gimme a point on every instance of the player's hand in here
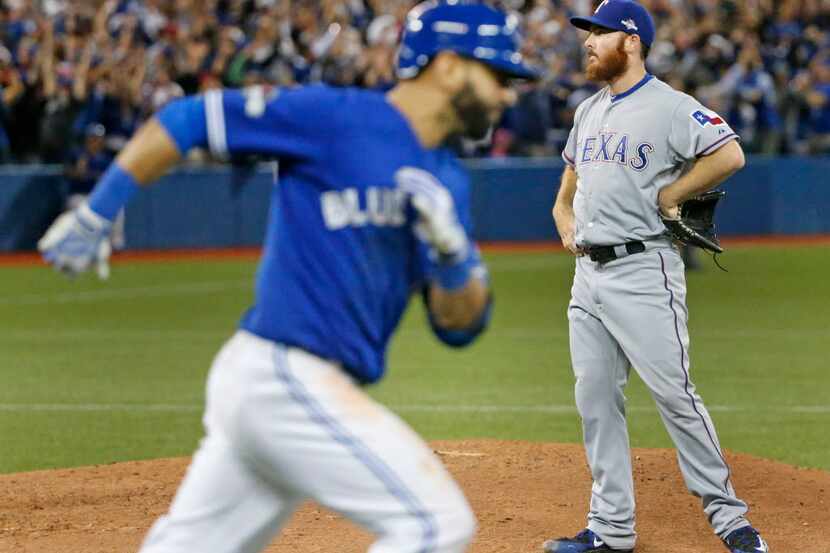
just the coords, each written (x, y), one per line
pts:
(669, 206)
(438, 225)
(77, 240)
(566, 227)
(569, 241)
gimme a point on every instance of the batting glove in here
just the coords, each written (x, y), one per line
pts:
(438, 223)
(77, 240)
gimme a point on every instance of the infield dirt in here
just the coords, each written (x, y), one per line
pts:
(523, 493)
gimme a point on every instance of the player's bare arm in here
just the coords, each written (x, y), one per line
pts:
(707, 172)
(78, 240)
(149, 154)
(459, 309)
(563, 211)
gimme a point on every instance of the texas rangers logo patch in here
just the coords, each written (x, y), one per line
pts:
(703, 119)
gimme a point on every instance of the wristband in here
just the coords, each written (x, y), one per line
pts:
(461, 338)
(454, 276)
(112, 192)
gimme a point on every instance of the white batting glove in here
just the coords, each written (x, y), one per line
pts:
(438, 225)
(77, 240)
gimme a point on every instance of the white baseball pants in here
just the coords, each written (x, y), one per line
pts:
(282, 426)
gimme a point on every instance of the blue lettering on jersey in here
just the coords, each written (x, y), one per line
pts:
(641, 161)
(602, 153)
(620, 153)
(614, 148)
(588, 148)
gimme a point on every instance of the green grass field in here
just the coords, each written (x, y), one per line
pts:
(100, 372)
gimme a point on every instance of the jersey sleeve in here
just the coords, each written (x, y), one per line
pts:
(283, 123)
(569, 153)
(697, 131)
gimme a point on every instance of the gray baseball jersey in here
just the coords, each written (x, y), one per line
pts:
(631, 311)
(625, 148)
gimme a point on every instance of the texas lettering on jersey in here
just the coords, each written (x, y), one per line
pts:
(614, 147)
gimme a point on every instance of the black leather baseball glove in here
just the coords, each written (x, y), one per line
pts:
(695, 225)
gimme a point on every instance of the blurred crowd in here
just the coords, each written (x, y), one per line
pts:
(78, 76)
(762, 64)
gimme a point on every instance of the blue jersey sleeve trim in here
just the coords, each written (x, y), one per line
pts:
(455, 276)
(184, 120)
(720, 142)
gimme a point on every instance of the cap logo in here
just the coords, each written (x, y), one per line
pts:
(629, 24)
(600, 6)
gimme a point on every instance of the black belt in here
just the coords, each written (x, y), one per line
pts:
(604, 254)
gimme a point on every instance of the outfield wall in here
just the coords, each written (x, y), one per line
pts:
(227, 207)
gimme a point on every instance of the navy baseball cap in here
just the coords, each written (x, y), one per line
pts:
(627, 16)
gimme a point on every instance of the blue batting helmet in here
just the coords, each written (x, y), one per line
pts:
(471, 29)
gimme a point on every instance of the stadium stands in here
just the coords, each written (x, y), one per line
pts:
(66, 64)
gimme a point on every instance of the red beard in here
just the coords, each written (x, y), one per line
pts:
(611, 67)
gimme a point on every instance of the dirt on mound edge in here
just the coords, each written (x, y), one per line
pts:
(523, 493)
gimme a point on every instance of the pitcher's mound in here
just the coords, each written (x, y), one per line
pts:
(523, 493)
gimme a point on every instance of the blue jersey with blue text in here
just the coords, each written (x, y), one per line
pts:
(341, 258)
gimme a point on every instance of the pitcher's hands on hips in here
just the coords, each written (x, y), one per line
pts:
(566, 227)
(668, 204)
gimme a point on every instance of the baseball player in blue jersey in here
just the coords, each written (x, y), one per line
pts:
(638, 147)
(369, 209)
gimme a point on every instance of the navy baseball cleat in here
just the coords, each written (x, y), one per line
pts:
(745, 540)
(584, 542)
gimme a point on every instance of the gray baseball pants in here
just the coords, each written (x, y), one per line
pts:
(632, 312)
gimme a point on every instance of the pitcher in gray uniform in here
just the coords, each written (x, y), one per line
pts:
(637, 147)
